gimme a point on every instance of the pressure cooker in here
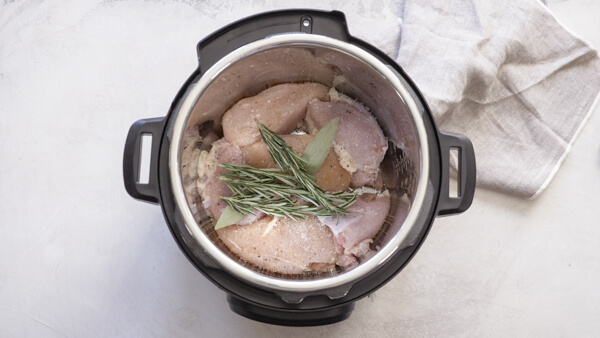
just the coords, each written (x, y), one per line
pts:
(267, 49)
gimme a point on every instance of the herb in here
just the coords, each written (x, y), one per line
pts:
(290, 190)
(318, 149)
(228, 216)
(253, 188)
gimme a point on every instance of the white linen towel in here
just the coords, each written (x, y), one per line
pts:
(507, 75)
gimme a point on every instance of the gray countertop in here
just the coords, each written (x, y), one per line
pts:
(79, 257)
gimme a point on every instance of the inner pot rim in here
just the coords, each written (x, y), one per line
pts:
(296, 40)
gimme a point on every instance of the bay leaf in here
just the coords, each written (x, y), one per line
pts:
(319, 147)
(228, 217)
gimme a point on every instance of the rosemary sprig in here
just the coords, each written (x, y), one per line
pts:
(287, 160)
(287, 191)
(276, 193)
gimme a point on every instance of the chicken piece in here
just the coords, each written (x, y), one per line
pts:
(354, 232)
(359, 141)
(210, 185)
(360, 80)
(330, 177)
(279, 108)
(194, 141)
(189, 170)
(256, 72)
(282, 244)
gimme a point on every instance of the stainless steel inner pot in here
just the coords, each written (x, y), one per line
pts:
(299, 57)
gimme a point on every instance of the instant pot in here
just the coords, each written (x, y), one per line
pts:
(255, 53)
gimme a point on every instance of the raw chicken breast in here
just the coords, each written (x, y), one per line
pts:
(354, 232)
(194, 141)
(282, 244)
(189, 167)
(330, 177)
(359, 80)
(257, 72)
(280, 108)
(359, 139)
(210, 185)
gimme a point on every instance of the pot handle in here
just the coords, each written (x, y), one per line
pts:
(132, 159)
(466, 174)
(220, 43)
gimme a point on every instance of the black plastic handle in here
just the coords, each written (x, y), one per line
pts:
(466, 173)
(220, 43)
(131, 159)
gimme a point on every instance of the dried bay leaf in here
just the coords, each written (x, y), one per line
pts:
(318, 149)
(228, 217)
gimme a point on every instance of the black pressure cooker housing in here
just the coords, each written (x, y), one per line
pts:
(259, 302)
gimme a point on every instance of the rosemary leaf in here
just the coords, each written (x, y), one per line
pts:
(318, 149)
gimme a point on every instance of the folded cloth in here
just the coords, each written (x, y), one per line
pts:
(507, 75)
